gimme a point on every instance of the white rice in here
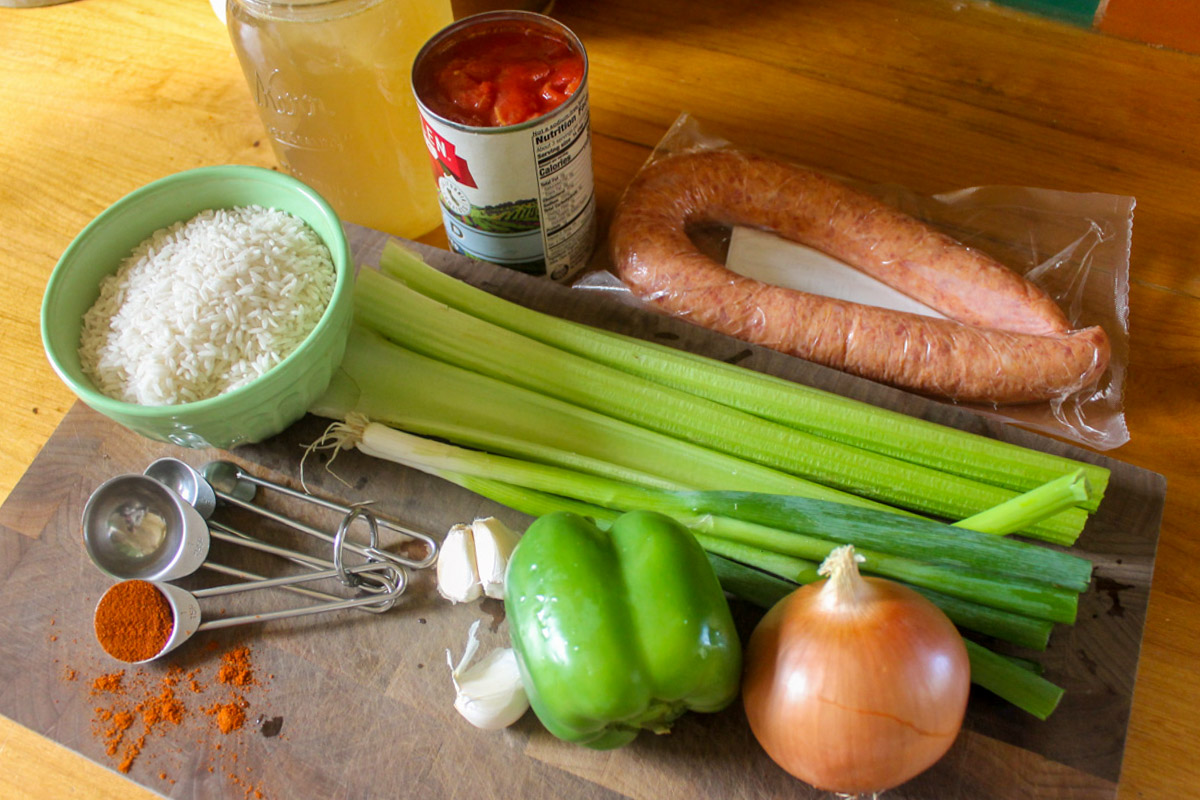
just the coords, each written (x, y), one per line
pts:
(206, 306)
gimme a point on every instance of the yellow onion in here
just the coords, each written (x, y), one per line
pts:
(853, 684)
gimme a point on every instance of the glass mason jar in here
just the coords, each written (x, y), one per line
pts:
(331, 82)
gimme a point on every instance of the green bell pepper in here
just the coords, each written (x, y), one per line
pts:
(620, 630)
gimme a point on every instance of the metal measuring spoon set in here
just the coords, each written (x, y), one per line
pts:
(158, 527)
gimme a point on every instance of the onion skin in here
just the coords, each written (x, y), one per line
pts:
(855, 693)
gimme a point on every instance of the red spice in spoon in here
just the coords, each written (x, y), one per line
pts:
(133, 621)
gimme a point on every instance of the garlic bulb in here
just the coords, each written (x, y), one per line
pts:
(489, 694)
(473, 559)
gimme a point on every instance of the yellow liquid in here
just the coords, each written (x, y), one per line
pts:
(332, 85)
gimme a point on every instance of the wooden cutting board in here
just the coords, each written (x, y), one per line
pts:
(355, 705)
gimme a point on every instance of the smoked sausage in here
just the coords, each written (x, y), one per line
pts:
(1005, 340)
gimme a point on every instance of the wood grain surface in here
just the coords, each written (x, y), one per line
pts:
(372, 671)
(101, 96)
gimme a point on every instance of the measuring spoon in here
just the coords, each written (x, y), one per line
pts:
(136, 527)
(144, 527)
(194, 488)
(186, 482)
(187, 619)
(235, 486)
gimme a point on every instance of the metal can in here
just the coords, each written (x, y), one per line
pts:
(520, 195)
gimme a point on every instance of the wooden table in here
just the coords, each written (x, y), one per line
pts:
(101, 96)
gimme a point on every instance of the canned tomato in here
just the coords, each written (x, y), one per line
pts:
(504, 111)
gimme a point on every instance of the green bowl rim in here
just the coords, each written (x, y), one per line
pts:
(339, 250)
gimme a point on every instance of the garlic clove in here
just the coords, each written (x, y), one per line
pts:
(457, 575)
(489, 694)
(494, 543)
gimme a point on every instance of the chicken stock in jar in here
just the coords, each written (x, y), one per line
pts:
(330, 79)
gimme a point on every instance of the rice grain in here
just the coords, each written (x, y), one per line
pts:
(206, 306)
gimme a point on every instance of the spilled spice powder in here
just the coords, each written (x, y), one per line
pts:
(249, 789)
(236, 669)
(163, 707)
(230, 716)
(114, 734)
(141, 704)
(110, 683)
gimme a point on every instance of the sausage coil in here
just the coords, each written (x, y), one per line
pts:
(1006, 341)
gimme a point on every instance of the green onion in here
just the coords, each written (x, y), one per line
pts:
(1008, 594)
(1015, 628)
(748, 583)
(435, 330)
(999, 591)
(1010, 681)
(798, 571)
(804, 408)
(1007, 626)
(797, 526)
(913, 537)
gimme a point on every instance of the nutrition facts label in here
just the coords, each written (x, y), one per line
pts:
(562, 153)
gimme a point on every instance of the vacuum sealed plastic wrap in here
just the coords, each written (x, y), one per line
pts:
(1012, 301)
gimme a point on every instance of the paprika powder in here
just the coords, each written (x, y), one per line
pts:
(236, 667)
(139, 703)
(133, 621)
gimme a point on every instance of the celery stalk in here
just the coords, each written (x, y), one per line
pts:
(1021, 511)
(437, 331)
(390, 384)
(805, 408)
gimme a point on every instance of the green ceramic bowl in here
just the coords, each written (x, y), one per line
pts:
(248, 414)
